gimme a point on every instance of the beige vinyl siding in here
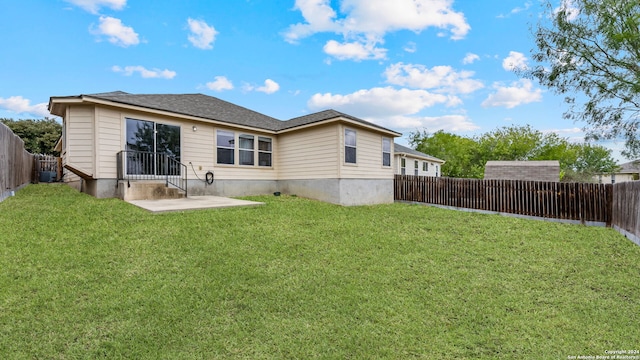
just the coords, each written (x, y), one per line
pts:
(244, 172)
(80, 138)
(110, 142)
(197, 148)
(368, 156)
(410, 166)
(312, 153)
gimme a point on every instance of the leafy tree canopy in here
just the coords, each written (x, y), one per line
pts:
(466, 156)
(39, 135)
(589, 51)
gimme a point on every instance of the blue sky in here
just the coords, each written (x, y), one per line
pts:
(409, 65)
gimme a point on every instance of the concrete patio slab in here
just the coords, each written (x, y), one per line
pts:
(191, 203)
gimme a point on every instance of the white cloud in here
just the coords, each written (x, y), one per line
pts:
(514, 61)
(441, 78)
(20, 105)
(145, 73)
(570, 8)
(319, 16)
(354, 51)
(470, 58)
(519, 93)
(269, 87)
(411, 47)
(116, 32)
(202, 35)
(220, 83)
(516, 10)
(449, 123)
(93, 6)
(367, 21)
(378, 102)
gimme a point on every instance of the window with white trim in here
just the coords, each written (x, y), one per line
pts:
(225, 142)
(386, 151)
(349, 146)
(403, 166)
(425, 166)
(264, 151)
(415, 167)
(245, 149)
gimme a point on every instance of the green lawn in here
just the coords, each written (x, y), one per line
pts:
(87, 278)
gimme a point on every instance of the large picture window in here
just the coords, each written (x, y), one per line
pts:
(386, 151)
(226, 147)
(349, 146)
(146, 142)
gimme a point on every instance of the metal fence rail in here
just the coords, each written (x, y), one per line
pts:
(144, 165)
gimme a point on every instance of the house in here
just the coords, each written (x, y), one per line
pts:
(407, 161)
(112, 143)
(544, 170)
(627, 172)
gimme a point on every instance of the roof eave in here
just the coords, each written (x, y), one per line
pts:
(406, 154)
(343, 120)
(63, 101)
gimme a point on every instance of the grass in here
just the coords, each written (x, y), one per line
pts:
(98, 278)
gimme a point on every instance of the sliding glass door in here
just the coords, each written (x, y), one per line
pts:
(150, 145)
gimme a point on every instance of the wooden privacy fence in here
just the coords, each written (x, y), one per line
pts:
(625, 215)
(46, 168)
(16, 163)
(567, 201)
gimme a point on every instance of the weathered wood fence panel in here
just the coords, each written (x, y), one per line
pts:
(567, 201)
(625, 215)
(16, 163)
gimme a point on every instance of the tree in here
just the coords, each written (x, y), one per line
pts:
(459, 152)
(592, 48)
(466, 157)
(39, 136)
(589, 160)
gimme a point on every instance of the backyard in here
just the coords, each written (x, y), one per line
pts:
(99, 278)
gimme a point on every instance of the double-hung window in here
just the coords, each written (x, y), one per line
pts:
(386, 151)
(246, 149)
(403, 166)
(425, 166)
(264, 151)
(226, 146)
(415, 167)
(349, 146)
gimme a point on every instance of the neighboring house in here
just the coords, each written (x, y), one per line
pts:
(113, 140)
(407, 161)
(627, 172)
(545, 170)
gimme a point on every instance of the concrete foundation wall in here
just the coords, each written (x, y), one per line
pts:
(347, 192)
(366, 191)
(233, 187)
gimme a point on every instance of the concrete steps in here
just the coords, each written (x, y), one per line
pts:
(147, 190)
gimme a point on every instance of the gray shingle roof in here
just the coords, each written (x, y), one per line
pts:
(212, 108)
(197, 105)
(397, 148)
(324, 115)
(630, 167)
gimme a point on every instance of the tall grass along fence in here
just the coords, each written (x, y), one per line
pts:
(616, 205)
(16, 163)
